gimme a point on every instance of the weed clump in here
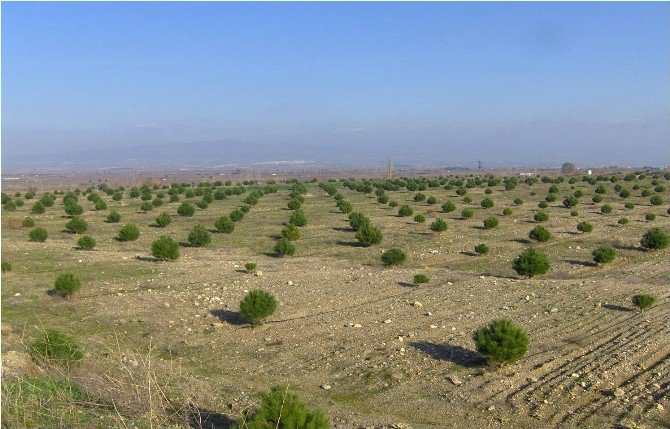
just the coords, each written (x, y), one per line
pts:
(57, 347)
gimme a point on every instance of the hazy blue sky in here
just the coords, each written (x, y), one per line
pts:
(534, 82)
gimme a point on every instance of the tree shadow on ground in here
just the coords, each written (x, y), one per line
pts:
(350, 243)
(624, 247)
(201, 418)
(232, 317)
(468, 253)
(341, 229)
(521, 240)
(407, 284)
(582, 263)
(617, 307)
(420, 233)
(455, 354)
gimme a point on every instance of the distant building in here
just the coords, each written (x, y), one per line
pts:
(589, 172)
(526, 174)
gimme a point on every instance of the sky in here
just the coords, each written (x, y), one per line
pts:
(452, 83)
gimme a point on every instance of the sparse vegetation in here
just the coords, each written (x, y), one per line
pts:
(55, 347)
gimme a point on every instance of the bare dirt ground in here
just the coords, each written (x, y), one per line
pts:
(358, 339)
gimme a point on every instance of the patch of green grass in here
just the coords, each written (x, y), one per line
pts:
(51, 402)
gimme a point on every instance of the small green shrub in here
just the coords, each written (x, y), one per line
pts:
(100, 205)
(199, 236)
(438, 225)
(420, 279)
(574, 213)
(518, 201)
(6, 267)
(603, 254)
(290, 232)
(420, 218)
(250, 267)
(393, 204)
(606, 209)
(28, 222)
(186, 209)
(584, 227)
(38, 208)
(224, 224)
(54, 346)
(113, 217)
(369, 235)
(448, 207)
(570, 202)
(294, 204)
(501, 342)
(280, 409)
(405, 211)
(357, 220)
(165, 248)
(164, 219)
(67, 284)
(540, 217)
(393, 257)
(487, 203)
(257, 305)
(491, 222)
(86, 242)
(531, 263)
(643, 301)
(656, 200)
(649, 217)
(623, 221)
(38, 235)
(481, 249)
(629, 206)
(129, 232)
(507, 212)
(655, 239)
(543, 205)
(146, 206)
(467, 213)
(284, 247)
(298, 218)
(540, 234)
(76, 225)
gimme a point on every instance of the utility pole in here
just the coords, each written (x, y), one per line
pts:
(479, 166)
(389, 168)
